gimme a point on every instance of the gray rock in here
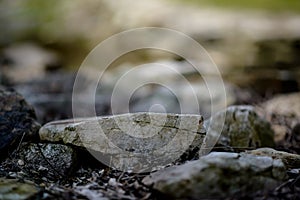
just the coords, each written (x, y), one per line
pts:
(49, 160)
(17, 120)
(131, 141)
(243, 128)
(290, 160)
(13, 189)
(219, 175)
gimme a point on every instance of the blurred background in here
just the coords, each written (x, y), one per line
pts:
(255, 44)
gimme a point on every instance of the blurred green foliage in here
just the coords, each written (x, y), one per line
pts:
(269, 5)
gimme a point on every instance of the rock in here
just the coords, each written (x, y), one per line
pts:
(13, 189)
(50, 160)
(134, 141)
(242, 129)
(290, 160)
(285, 104)
(219, 175)
(27, 61)
(296, 136)
(283, 111)
(280, 132)
(17, 120)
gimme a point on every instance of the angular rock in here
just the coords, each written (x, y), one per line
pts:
(49, 160)
(130, 141)
(15, 190)
(219, 175)
(17, 120)
(290, 160)
(243, 128)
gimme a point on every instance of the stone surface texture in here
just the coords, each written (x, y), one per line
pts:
(141, 138)
(218, 175)
(287, 104)
(243, 128)
(290, 160)
(17, 119)
(283, 111)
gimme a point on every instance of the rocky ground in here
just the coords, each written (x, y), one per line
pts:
(53, 162)
(248, 149)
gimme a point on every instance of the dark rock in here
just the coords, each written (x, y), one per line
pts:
(296, 136)
(51, 161)
(17, 120)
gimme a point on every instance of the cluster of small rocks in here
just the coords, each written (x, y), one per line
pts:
(56, 161)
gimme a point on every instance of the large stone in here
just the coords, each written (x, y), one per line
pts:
(218, 175)
(290, 160)
(13, 189)
(17, 120)
(133, 141)
(242, 129)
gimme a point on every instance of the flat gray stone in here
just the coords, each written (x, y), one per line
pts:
(290, 160)
(219, 175)
(242, 129)
(133, 141)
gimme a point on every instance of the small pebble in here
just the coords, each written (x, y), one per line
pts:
(21, 162)
(42, 169)
(21, 173)
(112, 182)
(293, 173)
(42, 185)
